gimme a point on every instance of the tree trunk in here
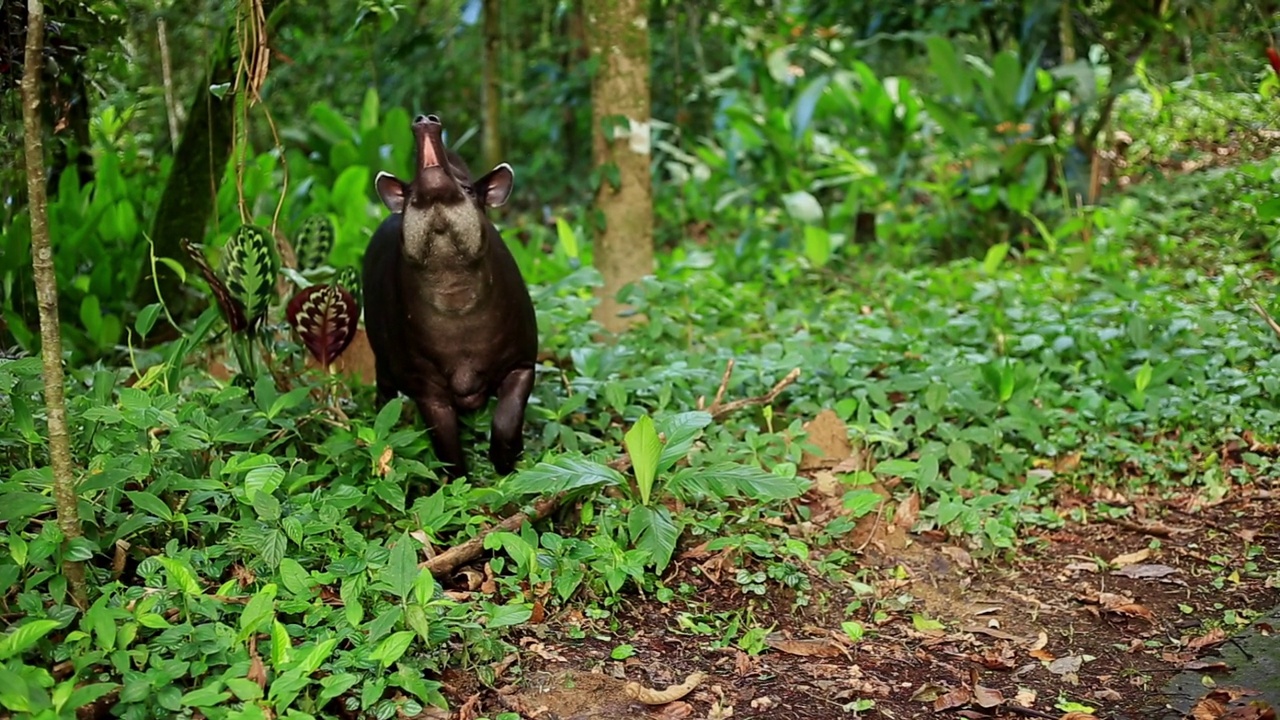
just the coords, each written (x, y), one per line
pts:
(64, 483)
(1066, 33)
(491, 90)
(191, 191)
(618, 34)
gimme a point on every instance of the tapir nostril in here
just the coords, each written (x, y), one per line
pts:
(434, 119)
(420, 120)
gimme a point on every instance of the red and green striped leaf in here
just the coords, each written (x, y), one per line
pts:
(325, 318)
(232, 310)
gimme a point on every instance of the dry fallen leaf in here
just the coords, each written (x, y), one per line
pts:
(384, 462)
(1256, 710)
(928, 693)
(1026, 697)
(651, 696)
(908, 511)
(820, 647)
(1064, 665)
(467, 711)
(1145, 571)
(1042, 640)
(986, 697)
(719, 711)
(676, 710)
(1213, 637)
(952, 700)
(1132, 558)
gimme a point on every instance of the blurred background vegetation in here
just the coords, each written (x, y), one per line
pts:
(850, 132)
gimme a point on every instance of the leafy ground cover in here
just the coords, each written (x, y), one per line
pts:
(809, 486)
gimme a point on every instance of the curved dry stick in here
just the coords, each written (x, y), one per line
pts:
(449, 560)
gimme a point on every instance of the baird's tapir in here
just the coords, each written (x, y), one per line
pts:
(447, 311)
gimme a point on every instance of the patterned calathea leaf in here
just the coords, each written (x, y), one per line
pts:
(325, 318)
(349, 278)
(252, 264)
(314, 241)
(232, 309)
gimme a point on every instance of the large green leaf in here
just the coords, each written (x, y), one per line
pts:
(252, 268)
(314, 241)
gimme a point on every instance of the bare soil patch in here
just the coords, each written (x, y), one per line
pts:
(1102, 614)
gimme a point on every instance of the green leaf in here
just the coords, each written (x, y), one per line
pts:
(335, 685)
(180, 575)
(680, 430)
(281, 645)
(91, 316)
(510, 615)
(207, 696)
(244, 689)
(899, 467)
(294, 577)
(732, 479)
(150, 504)
(391, 649)
(562, 474)
(567, 238)
(263, 479)
(260, 608)
(946, 66)
(402, 571)
(24, 637)
(387, 418)
(654, 531)
(644, 447)
(14, 692)
(369, 111)
(316, 655)
(147, 318)
(252, 266)
(995, 255)
(88, 694)
(314, 241)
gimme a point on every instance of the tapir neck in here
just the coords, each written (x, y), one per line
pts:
(449, 286)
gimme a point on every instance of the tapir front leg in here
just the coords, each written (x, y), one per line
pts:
(442, 424)
(506, 439)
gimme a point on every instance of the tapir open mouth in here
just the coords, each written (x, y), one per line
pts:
(429, 133)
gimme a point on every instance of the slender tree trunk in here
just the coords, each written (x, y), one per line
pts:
(64, 483)
(492, 88)
(1066, 33)
(618, 33)
(166, 74)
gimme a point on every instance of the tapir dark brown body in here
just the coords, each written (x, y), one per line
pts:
(447, 312)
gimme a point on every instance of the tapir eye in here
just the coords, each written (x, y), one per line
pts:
(469, 190)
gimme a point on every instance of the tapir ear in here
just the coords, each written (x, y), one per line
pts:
(495, 187)
(391, 190)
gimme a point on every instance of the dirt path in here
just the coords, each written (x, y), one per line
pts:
(1102, 614)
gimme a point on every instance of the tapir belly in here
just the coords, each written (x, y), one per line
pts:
(465, 361)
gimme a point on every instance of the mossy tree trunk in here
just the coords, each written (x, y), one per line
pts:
(46, 279)
(618, 35)
(491, 92)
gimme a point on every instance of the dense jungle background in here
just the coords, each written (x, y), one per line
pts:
(896, 359)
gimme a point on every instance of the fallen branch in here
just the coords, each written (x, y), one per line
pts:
(451, 559)
(719, 411)
(1271, 322)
